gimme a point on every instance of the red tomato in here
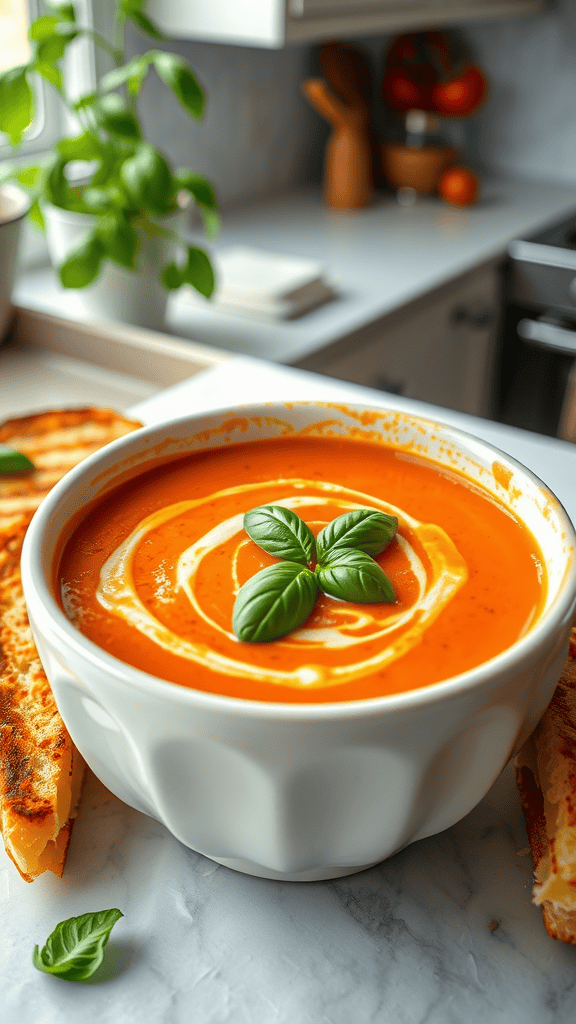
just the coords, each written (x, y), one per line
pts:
(401, 92)
(459, 186)
(462, 95)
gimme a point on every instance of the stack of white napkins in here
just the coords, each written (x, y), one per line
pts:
(267, 285)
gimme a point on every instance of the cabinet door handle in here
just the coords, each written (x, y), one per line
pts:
(478, 319)
(384, 383)
(545, 335)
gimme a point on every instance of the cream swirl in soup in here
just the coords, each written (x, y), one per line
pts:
(151, 574)
(346, 628)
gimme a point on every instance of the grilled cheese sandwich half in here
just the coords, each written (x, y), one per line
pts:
(40, 769)
(546, 777)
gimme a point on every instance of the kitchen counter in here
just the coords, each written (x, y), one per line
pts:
(379, 260)
(444, 932)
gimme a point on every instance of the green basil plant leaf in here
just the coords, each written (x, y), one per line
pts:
(133, 9)
(83, 261)
(280, 532)
(64, 8)
(148, 179)
(134, 73)
(198, 271)
(51, 72)
(352, 575)
(203, 194)
(27, 176)
(36, 216)
(16, 103)
(12, 461)
(80, 147)
(146, 26)
(176, 74)
(75, 949)
(112, 116)
(171, 277)
(118, 238)
(364, 529)
(274, 601)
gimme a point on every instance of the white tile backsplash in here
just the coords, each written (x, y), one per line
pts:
(260, 137)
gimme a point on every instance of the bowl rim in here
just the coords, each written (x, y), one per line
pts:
(62, 629)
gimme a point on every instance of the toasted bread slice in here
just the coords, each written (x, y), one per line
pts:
(546, 777)
(40, 769)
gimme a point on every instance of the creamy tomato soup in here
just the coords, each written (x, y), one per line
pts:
(152, 572)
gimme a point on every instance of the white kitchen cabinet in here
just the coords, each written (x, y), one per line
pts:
(276, 23)
(440, 350)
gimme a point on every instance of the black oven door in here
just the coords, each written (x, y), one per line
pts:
(537, 370)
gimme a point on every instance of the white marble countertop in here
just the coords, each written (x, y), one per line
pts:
(442, 933)
(379, 260)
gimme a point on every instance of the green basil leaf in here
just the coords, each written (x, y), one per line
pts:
(43, 28)
(80, 147)
(112, 116)
(178, 76)
(36, 216)
(148, 179)
(171, 277)
(75, 949)
(364, 529)
(16, 103)
(274, 601)
(202, 192)
(51, 72)
(199, 272)
(12, 461)
(118, 238)
(83, 261)
(54, 183)
(280, 532)
(145, 25)
(51, 35)
(64, 8)
(352, 575)
(134, 73)
(27, 176)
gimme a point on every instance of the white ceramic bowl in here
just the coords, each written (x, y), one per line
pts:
(314, 790)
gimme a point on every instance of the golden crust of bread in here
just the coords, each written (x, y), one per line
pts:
(40, 769)
(546, 777)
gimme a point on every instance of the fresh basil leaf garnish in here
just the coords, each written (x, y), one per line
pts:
(275, 601)
(75, 949)
(364, 529)
(280, 532)
(352, 575)
(12, 461)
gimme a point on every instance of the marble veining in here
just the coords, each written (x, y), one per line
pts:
(443, 932)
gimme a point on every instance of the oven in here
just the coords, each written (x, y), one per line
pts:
(536, 382)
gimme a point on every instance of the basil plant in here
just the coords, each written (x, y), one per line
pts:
(130, 185)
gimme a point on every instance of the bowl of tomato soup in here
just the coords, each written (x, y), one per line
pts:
(301, 635)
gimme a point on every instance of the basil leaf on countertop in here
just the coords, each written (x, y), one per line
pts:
(364, 529)
(352, 575)
(75, 949)
(280, 532)
(12, 461)
(275, 601)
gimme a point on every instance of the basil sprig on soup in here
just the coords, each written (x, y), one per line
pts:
(279, 598)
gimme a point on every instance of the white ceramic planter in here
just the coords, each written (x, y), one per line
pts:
(314, 790)
(14, 205)
(135, 297)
